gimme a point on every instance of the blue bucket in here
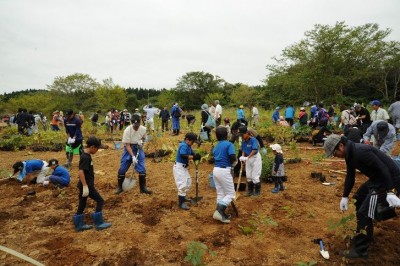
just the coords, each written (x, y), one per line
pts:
(211, 180)
(117, 145)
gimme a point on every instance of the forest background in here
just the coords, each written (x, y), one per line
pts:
(330, 64)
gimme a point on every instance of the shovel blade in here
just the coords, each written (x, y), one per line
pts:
(196, 199)
(128, 184)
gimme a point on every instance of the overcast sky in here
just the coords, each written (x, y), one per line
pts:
(151, 43)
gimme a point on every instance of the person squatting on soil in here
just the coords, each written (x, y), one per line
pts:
(133, 154)
(180, 170)
(86, 188)
(374, 195)
(225, 160)
(31, 169)
(73, 145)
(60, 176)
(278, 168)
(176, 114)
(384, 136)
(252, 158)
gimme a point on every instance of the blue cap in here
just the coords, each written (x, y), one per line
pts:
(376, 102)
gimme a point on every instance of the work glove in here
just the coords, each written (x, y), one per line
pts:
(243, 158)
(393, 200)
(85, 191)
(134, 160)
(196, 157)
(344, 202)
(264, 151)
(71, 140)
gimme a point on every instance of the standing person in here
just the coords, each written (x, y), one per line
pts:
(86, 188)
(225, 159)
(322, 116)
(37, 120)
(363, 117)
(55, 121)
(127, 117)
(276, 116)
(204, 117)
(165, 116)
(252, 158)
(255, 115)
(211, 109)
(60, 176)
(176, 114)
(303, 117)
(180, 170)
(150, 111)
(95, 118)
(378, 113)
(240, 115)
(394, 110)
(31, 123)
(218, 113)
(81, 117)
(289, 114)
(133, 154)
(121, 119)
(22, 120)
(278, 168)
(74, 134)
(383, 176)
(384, 136)
(31, 169)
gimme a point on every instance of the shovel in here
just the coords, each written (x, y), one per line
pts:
(239, 180)
(324, 253)
(130, 182)
(197, 198)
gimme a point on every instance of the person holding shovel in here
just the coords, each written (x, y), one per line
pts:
(180, 170)
(225, 158)
(375, 196)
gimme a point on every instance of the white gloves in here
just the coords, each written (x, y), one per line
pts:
(264, 151)
(71, 140)
(393, 200)
(85, 191)
(344, 202)
(243, 158)
(134, 160)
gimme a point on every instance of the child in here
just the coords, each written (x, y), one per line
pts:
(34, 171)
(86, 188)
(182, 177)
(278, 169)
(227, 125)
(224, 155)
(60, 175)
(252, 158)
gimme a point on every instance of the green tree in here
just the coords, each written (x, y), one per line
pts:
(108, 95)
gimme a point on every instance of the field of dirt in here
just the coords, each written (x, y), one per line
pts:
(272, 229)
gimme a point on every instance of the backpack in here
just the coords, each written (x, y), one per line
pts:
(177, 113)
(352, 120)
(95, 117)
(210, 123)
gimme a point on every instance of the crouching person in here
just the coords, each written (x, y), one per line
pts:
(87, 189)
(182, 177)
(60, 176)
(225, 158)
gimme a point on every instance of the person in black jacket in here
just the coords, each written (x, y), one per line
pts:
(165, 116)
(375, 196)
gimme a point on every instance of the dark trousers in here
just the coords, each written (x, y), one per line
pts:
(218, 121)
(94, 195)
(164, 124)
(290, 121)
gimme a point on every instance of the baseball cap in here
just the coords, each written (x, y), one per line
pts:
(192, 136)
(136, 109)
(376, 102)
(69, 112)
(53, 162)
(18, 167)
(242, 130)
(136, 119)
(383, 129)
(277, 108)
(330, 144)
(276, 147)
(241, 106)
(302, 109)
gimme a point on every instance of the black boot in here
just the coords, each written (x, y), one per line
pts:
(280, 182)
(177, 132)
(250, 188)
(142, 184)
(121, 179)
(181, 203)
(257, 189)
(220, 215)
(277, 187)
(173, 132)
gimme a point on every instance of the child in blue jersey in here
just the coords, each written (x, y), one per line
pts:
(278, 169)
(224, 155)
(182, 177)
(31, 169)
(252, 158)
(60, 176)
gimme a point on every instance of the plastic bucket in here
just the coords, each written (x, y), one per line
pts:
(211, 180)
(117, 145)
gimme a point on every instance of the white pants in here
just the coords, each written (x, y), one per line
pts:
(150, 122)
(224, 185)
(42, 174)
(182, 178)
(253, 168)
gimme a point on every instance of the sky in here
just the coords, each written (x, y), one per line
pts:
(152, 43)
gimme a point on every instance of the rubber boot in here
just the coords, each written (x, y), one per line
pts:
(181, 203)
(257, 189)
(276, 188)
(280, 182)
(142, 184)
(219, 214)
(70, 156)
(98, 221)
(177, 132)
(79, 225)
(250, 188)
(121, 179)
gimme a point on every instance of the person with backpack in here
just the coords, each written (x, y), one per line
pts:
(95, 118)
(322, 116)
(347, 118)
(204, 117)
(176, 114)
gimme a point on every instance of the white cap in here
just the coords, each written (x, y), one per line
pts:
(276, 147)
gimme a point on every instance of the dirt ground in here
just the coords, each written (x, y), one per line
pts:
(152, 230)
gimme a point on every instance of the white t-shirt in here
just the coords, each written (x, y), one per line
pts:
(218, 111)
(132, 136)
(255, 111)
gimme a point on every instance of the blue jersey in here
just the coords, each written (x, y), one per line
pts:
(240, 114)
(33, 165)
(183, 149)
(222, 152)
(62, 172)
(249, 145)
(73, 127)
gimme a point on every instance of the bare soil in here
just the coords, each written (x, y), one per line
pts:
(152, 230)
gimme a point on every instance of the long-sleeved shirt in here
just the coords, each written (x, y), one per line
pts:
(386, 144)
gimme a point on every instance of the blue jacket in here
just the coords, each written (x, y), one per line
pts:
(289, 112)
